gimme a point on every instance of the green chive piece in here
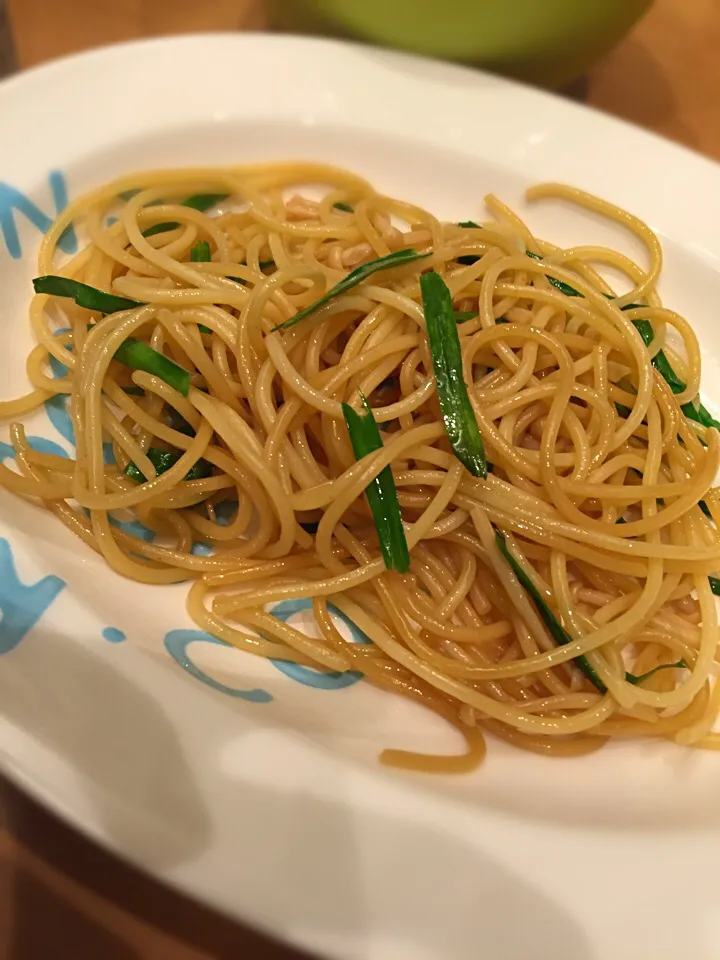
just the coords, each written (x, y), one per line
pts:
(458, 416)
(469, 225)
(266, 264)
(358, 275)
(381, 493)
(700, 414)
(204, 201)
(462, 316)
(132, 353)
(558, 284)
(159, 228)
(199, 201)
(162, 460)
(310, 526)
(200, 253)
(659, 361)
(714, 585)
(557, 631)
(468, 259)
(84, 296)
(139, 356)
(705, 509)
(345, 207)
(622, 410)
(564, 287)
(632, 678)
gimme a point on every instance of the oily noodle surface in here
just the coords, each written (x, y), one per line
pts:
(458, 633)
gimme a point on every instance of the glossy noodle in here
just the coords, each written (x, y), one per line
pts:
(541, 598)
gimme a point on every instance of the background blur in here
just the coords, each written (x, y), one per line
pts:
(665, 74)
(6, 56)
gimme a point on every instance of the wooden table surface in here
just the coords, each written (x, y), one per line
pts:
(59, 895)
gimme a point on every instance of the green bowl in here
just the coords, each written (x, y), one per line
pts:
(548, 42)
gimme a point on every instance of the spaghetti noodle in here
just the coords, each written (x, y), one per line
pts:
(216, 326)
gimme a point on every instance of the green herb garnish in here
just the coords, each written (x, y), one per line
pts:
(457, 413)
(558, 632)
(345, 207)
(162, 460)
(199, 201)
(462, 316)
(358, 275)
(381, 493)
(84, 296)
(132, 353)
(632, 678)
(200, 253)
(139, 356)
(659, 361)
(469, 258)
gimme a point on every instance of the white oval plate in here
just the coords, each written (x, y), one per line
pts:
(260, 792)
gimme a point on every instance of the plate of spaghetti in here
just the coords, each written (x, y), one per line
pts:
(358, 504)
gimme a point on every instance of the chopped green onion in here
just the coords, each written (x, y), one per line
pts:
(714, 585)
(557, 631)
(199, 201)
(701, 414)
(622, 410)
(358, 275)
(462, 316)
(162, 460)
(381, 493)
(179, 423)
(468, 259)
(139, 356)
(345, 207)
(659, 361)
(132, 353)
(84, 296)
(457, 413)
(705, 509)
(558, 284)
(632, 678)
(200, 253)
(266, 264)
